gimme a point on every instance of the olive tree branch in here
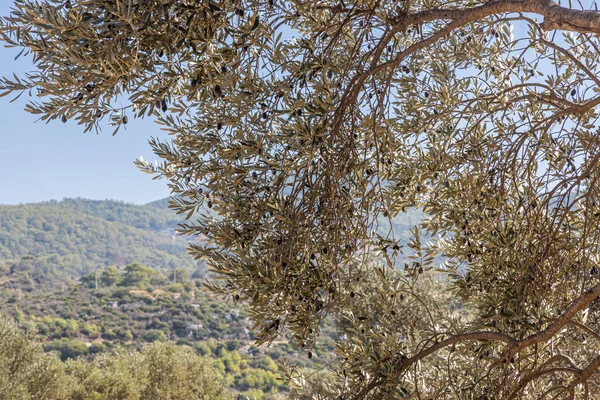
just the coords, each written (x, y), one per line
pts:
(514, 346)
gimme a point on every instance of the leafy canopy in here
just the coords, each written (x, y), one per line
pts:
(299, 129)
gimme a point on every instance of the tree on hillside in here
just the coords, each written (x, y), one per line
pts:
(111, 276)
(137, 274)
(300, 129)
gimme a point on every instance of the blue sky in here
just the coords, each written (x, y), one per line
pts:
(40, 161)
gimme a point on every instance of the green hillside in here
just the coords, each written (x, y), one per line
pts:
(154, 216)
(49, 243)
(87, 277)
(52, 241)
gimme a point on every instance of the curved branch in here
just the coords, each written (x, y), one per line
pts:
(404, 363)
(538, 374)
(514, 346)
(585, 328)
(582, 377)
(490, 336)
(579, 304)
(555, 16)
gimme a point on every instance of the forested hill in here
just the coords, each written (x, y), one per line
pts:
(152, 216)
(56, 240)
(51, 241)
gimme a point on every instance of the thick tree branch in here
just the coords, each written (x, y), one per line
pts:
(539, 374)
(585, 374)
(404, 363)
(555, 16)
(514, 345)
(579, 304)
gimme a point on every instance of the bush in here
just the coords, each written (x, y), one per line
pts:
(178, 373)
(154, 335)
(26, 372)
(67, 348)
(233, 345)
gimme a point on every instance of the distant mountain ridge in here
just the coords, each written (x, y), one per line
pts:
(52, 241)
(65, 239)
(153, 216)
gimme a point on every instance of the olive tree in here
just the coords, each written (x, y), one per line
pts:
(26, 372)
(301, 128)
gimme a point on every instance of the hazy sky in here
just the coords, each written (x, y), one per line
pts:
(40, 161)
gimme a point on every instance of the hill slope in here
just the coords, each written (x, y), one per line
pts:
(48, 243)
(54, 240)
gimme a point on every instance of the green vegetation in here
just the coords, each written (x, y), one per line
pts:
(124, 307)
(141, 305)
(137, 305)
(158, 372)
(49, 243)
